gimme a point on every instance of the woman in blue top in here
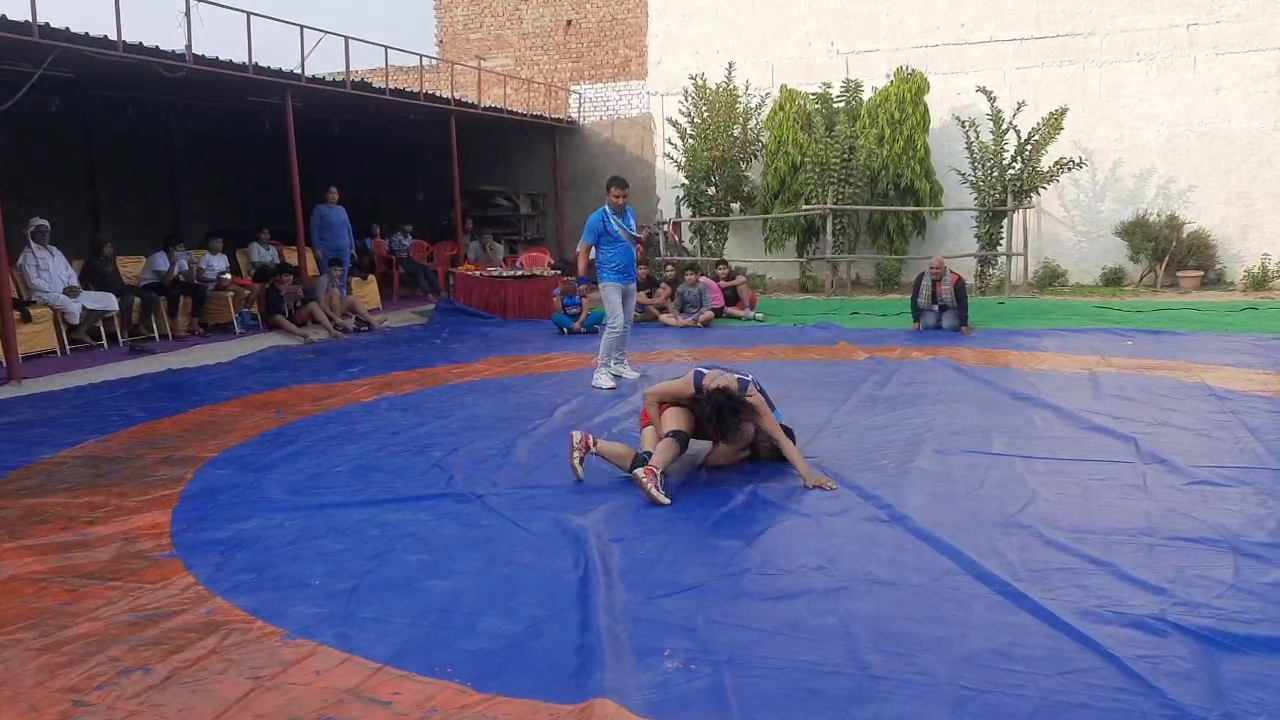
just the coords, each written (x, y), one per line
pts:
(573, 309)
(331, 234)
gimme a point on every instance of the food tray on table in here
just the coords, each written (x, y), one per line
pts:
(508, 273)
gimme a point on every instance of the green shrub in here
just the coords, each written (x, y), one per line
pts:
(1259, 277)
(1149, 236)
(1113, 276)
(889, 275)
(1049, 274)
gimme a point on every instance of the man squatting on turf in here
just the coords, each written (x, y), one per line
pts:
(729, 408)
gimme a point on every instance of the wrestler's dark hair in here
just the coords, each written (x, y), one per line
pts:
(723, 412)
(764, 448)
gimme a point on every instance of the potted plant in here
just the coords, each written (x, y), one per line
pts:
(1195, 257)
(1160, 241)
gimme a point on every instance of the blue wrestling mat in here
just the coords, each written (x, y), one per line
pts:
(1074, 525)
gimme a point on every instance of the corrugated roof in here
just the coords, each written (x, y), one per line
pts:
(100, 44)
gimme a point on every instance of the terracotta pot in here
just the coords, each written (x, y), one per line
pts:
(1190, 279)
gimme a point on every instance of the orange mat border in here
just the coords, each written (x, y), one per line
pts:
(99, 619)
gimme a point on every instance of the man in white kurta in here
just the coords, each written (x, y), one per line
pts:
(54, 283)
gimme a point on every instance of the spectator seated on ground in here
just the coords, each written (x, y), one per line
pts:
(651, 296)
(101, 273)
(338, 306)
(214, 272)
(692, 304)
(289, 308)
(263, 257)
(169, 274)
(713, 289)
(363, 263)
(53, 283)
(422, 276)
(484, 251)
(739, 301)
(573, 314)
(940, 299)
(667, 287)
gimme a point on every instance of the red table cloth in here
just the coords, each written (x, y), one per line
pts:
(509, 298)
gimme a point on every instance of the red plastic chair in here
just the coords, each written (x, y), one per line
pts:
(421, 251)
(384, 264)
(535, 260)
(445, 252)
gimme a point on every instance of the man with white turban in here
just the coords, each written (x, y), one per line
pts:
(54, 283)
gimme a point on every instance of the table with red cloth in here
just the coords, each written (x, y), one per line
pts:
(516, 296)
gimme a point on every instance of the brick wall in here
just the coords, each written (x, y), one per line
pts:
(597, 48)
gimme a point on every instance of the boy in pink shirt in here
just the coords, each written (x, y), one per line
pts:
(717, 295)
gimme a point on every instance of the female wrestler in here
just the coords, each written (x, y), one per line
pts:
(727, 407)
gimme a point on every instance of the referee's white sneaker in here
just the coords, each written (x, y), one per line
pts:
(602, 380)
(624, 371)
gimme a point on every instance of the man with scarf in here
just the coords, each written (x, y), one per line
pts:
(53, 283)
(611, 236)
(940, 299)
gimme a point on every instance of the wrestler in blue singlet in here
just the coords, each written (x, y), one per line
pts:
(746, 381)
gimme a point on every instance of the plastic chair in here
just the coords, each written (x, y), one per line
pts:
(384, 263)
(41, 334)
(19, 285)
(130, 267)
(535, 260)
(445, 253)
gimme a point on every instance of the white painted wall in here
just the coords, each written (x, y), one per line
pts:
(1175, 103)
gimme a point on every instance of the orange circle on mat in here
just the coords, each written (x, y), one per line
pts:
(102, 620)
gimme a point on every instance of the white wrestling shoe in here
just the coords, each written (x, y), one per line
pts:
(580, 446)
(649, 480)
(623, 370)
(602, 381)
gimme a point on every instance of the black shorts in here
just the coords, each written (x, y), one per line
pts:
(718, 312)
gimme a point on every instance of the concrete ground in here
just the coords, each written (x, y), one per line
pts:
(188, 357)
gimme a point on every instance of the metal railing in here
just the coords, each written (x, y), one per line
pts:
(455, 84)
(1009, 254)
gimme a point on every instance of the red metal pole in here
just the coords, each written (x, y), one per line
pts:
(559, 175)
(8, 332)
(300, 227)
(457, 180)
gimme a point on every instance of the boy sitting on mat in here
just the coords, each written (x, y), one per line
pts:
(739, 301)
(337, 306)
(289, 307)
(573, 313)
(691, 306)
(727, 407)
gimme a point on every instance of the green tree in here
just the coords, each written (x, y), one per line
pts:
(810, 158)
(1005, 163)
(893, 149)
(718, 137)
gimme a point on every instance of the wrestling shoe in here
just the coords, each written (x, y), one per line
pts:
(623, 370)
(580, 446)
(649, 480)
(602, 381)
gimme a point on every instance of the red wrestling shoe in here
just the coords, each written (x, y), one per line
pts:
(649, 480)
(580, 446)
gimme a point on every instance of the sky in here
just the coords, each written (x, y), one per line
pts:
(408, 24)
